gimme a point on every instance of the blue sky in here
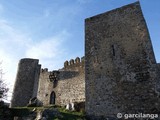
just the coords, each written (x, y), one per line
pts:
(53, 30)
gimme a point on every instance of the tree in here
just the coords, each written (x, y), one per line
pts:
(3, 86)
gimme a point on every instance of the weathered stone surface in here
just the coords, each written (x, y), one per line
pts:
(26, 84)
(120, 67)
(68, 87)
(119, 73)
(34, 102)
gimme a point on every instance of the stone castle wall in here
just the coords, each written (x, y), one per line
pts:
(120, 72)
(26, 84)
(68, 87)
(157, 67)
(45, 87)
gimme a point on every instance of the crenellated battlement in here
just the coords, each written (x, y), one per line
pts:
(74, 62)
(44, 70)
(125, 76)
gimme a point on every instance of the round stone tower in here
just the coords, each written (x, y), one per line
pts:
(26, 83)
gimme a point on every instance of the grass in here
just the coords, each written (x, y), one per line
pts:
(69, 115)
(63, 114)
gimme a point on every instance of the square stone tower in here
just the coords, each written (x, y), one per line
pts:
(120, 66)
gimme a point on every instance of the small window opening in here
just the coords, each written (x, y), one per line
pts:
(113, 50)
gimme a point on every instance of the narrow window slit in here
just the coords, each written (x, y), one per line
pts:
(113, 50)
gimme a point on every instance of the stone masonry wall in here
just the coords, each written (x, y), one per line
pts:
(69, 87)
(26, 84)
(157, 67)
(45, 87)
(120, 70)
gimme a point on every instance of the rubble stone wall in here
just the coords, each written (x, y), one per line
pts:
(119, 63)
(26, 84)
(69, 86)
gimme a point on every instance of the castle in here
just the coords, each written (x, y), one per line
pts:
(118, 74)
(50, 87)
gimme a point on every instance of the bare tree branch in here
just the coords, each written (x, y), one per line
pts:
(3, 86)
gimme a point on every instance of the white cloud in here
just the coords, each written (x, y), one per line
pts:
(16, 45)
(44, 49)
(49, 50)
(11, 42)
(9, 69)
(11, 38)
